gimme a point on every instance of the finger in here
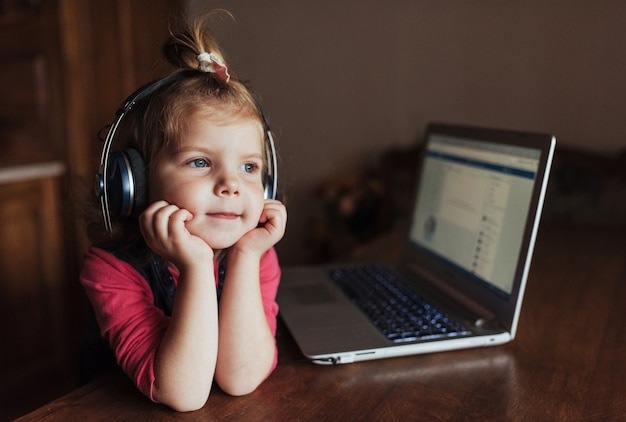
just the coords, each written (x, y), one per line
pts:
(274, 219)
(148, 213)
(274, 210)
(177, 220)
(146, 218)
(161, 220)
(273, 203)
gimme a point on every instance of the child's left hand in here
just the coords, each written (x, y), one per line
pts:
(270, 230)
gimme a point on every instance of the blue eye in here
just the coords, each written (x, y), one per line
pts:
(250, 167)
(199, 162)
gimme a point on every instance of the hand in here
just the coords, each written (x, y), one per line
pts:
(270, 230)
(163, 228)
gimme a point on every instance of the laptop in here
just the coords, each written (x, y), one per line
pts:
(461, 280)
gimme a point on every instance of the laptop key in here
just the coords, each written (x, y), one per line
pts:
(398, 312)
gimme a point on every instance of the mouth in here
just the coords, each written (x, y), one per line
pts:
(224, 215)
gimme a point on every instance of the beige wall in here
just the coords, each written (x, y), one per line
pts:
(343, 80)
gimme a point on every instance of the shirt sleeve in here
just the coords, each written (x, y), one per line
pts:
(269, 276)
(124, 307)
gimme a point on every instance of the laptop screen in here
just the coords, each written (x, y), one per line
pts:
(472, 205)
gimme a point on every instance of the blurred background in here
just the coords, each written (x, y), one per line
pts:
(348, 88)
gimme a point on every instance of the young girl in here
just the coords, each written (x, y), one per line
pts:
(201, 137)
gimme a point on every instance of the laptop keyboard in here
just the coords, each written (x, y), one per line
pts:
(398, 312)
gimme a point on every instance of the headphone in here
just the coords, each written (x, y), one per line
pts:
(121, 182)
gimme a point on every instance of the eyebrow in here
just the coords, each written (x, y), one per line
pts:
(204, 150)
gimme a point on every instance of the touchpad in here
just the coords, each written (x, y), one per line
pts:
(313, 294)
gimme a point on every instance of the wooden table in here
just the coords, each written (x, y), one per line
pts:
(568, 362)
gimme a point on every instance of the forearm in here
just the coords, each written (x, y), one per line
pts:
(246, 344)
(185, 361)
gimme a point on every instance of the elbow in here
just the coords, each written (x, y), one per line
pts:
(183, 400)
(238, 387)
(187, 405)
(238, 390)
(243, 380)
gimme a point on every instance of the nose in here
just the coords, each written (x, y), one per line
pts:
(227, 184)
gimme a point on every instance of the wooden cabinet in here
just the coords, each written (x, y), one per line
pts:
(33, 286)
(65, 67)
(35, 356)
(31, 86)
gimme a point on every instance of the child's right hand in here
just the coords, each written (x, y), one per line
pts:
(163, 228)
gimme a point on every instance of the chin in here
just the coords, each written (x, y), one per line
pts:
(222, 239)
(219, 244)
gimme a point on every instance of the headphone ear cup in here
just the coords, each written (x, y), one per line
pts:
(126, 183)
(270, 177)
(140, 177)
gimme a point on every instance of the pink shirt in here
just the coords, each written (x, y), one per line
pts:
(130, 322)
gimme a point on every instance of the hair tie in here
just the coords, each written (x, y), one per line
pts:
(210, 62)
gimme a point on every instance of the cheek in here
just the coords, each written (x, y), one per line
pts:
(256, 208)
(158, 190)
(154, 190)
(156, 186)
(174, 193)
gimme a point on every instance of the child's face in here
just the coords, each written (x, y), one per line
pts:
(216, 174)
